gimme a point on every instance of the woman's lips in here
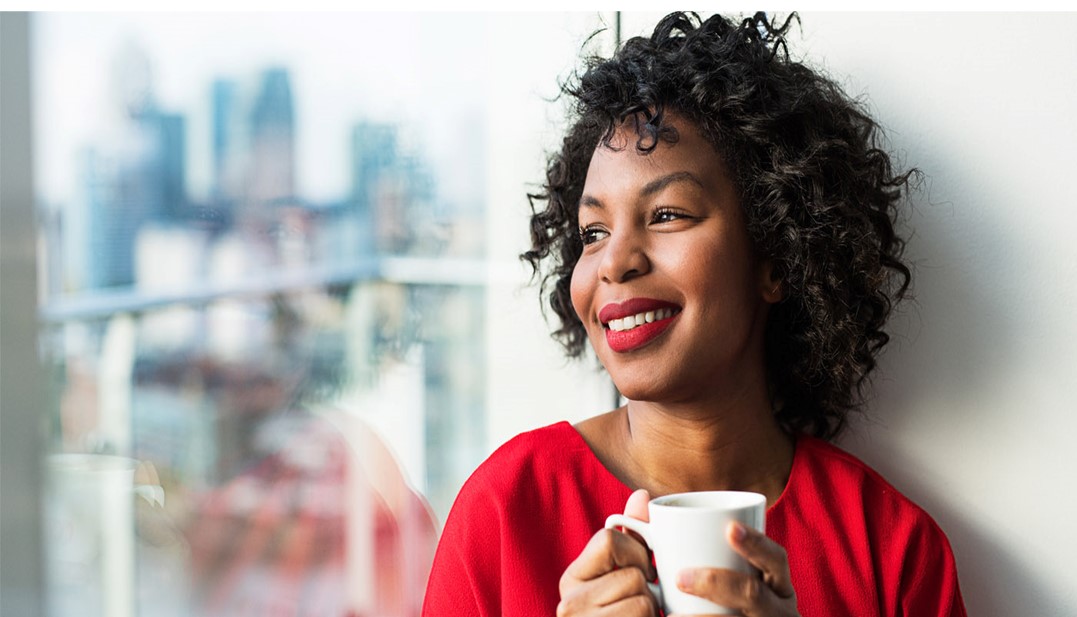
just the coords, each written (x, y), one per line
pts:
(632, 306)
(636, 322)
(628, 340)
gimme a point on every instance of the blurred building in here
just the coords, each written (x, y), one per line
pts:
(392, 192)
(272, 142)
(136, 175)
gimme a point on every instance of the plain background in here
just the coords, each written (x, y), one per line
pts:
(973, 416)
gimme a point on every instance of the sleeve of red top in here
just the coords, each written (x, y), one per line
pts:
(465, 576)
(929, 575)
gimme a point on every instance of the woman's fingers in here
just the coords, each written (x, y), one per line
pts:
(636, 506)
(736, 590)
(606, 551)
(609, 590)
(770, 594)
(610, 575)
(765, 554)
(636, 606)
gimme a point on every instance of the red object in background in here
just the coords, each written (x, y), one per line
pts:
(326, 525)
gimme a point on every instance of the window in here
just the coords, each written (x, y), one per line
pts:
(282, 315)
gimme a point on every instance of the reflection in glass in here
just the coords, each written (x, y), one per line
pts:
(303, 374)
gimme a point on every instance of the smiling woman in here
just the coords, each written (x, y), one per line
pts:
(719, 225)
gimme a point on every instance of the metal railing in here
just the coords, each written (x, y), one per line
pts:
(102, 303)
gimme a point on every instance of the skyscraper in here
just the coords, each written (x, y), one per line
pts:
(225, 127)
(171, 165)
(124, 178)
(272, 126)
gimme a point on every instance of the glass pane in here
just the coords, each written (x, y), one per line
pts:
(267, 268)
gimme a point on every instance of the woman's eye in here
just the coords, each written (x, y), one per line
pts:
(665, 215)
(591, 234)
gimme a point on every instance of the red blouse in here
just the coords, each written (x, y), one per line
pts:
(856, 545)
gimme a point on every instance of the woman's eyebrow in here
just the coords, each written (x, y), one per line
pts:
(652, 187)
(658, 184)
(590, 202)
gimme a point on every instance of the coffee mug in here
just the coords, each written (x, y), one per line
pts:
(90, 533)
(688, 530)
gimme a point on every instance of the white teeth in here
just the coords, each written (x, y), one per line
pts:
(627, 323)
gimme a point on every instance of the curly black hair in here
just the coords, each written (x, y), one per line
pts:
(820, 195)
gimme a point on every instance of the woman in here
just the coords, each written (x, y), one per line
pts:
(719, 227)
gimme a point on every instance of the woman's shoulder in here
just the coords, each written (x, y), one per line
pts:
(819, 462)
(837, 505)
(532, 458)
(537, 445)
(837, 495)
(824, 472)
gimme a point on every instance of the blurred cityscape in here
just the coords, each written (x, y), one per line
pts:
(133, 207)
(265, 413)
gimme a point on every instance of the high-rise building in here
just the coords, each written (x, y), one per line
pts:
(391, 190)
(272, 141)
(171, 165)
(373, 155)
(118, 199)
(229, 143)
(136, 176)
(223, 111)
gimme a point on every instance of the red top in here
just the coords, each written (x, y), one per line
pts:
(856, 545)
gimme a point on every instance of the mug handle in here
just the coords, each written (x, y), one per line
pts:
(148, 485)
(153, 493)
(644, 530)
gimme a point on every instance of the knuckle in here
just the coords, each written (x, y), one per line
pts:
(752, 590)
(707, 579)
(605, 541)
(641, 605)
(781, 553)
(569, 605)
(636, 579)
(565, 584)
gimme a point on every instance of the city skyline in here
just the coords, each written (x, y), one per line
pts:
(336, 87)
(137, 177)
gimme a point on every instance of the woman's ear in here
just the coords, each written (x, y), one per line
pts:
(770, 283)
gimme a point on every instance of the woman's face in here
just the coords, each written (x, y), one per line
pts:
(672, 297)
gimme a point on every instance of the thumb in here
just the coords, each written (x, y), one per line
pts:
(636, 506)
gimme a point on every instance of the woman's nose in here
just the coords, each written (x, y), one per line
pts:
(624, 258)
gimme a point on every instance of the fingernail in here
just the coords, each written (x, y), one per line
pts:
(739, 532)
(686, 579)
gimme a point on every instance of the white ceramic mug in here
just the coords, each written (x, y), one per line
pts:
(688, 530)
(90, 533)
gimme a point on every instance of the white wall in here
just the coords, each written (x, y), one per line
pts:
(972, 417)
(529, 382)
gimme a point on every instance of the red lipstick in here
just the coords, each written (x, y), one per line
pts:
(620, 340)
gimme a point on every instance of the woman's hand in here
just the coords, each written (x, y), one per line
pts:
(771, 596)
(610, 575)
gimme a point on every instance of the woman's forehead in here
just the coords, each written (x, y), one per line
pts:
(689, 152)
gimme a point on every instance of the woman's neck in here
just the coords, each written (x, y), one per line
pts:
(676, 449)
(673, 448)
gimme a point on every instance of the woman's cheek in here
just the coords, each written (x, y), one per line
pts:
(581, 290)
